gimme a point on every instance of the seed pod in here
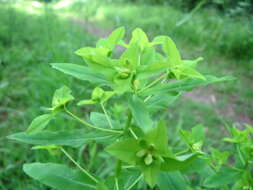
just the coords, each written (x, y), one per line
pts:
(141, 153)
(148, 159)
(97, 94)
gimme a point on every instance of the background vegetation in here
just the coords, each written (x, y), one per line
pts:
(36, 33)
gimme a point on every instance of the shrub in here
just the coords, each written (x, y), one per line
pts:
(130, 90)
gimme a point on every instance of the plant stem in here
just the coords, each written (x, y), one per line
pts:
(128, 125)
(116, 183)
(78, 165)
(106, 115)
(133, 133)
(181, 152)
(136, 181)
(153, 83)
(90, 125)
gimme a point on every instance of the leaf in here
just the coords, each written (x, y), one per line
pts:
(158, 137)
(80, 72)
(99, 120)
(39, 123)
(183, 85)
(74, 138)
(198, 133)
(178, 163)
(130, 57)
(59, 176)
(160, 102)
(151, 173)
(222, 178)
(171, 181)
(170, 49)
(139, 37)
(85, 102)
(124, 150)
(140, 113)
(61, 97)
(115, 37)
(101, 186)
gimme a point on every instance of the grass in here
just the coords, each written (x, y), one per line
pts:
(31, 38)
(29, 42)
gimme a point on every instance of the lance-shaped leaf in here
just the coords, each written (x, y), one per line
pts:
(183, 85)
(151, 173)
(125, 150)
(80, 72)
(169, 48)
(222, 178)
(139, 37)
(177, 163)
(74, 138)
(61, 97)
(158, 137)
(161, 102)
(172, 181)
(59, 176)
(113, 39)
(100, 120)
(39, 123)
(140, 113)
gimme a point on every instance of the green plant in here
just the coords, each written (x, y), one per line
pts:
(131, 89)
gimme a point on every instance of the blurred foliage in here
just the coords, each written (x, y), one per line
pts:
(232, 7)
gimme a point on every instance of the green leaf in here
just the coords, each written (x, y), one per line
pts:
(125, 150)
(222, 178)
(171, 181)
(86, 102)
(80, 72)
(140, 113)
(178, 163)
(101, 186)
(151, 173)
(170, 49)
(184, 85)
(115, 37)
(158, 137)
(139, 37)
(61, 97)
(99, 120)
(59, 176)
(74, 138)
(160, 102)
(130, 57)
(39, 123)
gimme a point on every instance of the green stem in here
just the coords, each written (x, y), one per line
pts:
(153, 83)
(90, 125)
(136, 181)
(133, 133)
(128, 124)
(182, 152)
(78, 165)
(116, 183)
(106, 115)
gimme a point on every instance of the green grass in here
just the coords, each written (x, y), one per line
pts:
(28, 43)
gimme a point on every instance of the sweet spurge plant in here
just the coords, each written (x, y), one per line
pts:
(125, 133)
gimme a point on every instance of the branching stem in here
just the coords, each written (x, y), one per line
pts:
(88, 124)
(79, 166)
(153, 83)
(106, 115)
